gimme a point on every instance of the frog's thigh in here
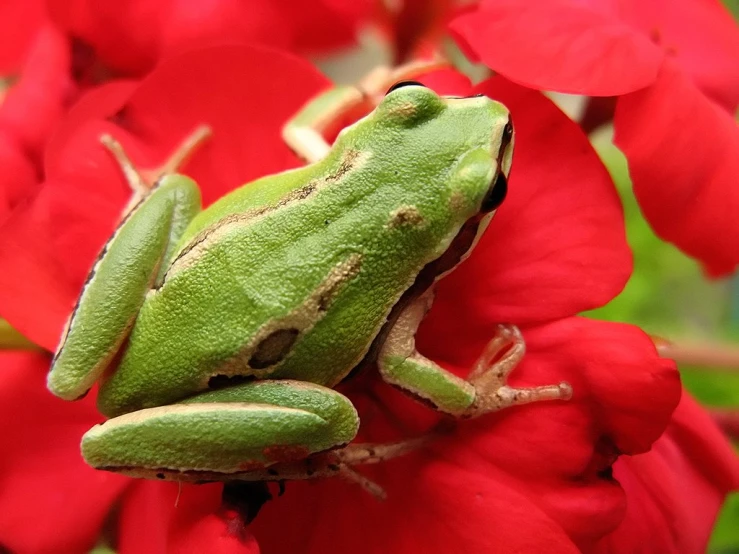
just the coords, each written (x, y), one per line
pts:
(485, 390)
(125, 270)
(235, 429)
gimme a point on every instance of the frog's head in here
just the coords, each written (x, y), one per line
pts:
(464, 143)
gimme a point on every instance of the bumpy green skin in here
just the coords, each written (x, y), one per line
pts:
(410, 152)
(286, 281)
(228, 430)
(132, 257)
(446, 391)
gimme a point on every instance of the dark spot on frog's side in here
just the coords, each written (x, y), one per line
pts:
(273, 348)
(223, 381)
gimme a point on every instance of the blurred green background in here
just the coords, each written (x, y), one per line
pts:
(669, 296)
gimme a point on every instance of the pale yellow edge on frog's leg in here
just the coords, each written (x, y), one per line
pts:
(131, 262)
(485, 389)
(304, 133)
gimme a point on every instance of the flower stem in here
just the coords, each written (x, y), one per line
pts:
(10, 339)
(728, 420)
(716, 355)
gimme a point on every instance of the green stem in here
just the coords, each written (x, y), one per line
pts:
(10, 339)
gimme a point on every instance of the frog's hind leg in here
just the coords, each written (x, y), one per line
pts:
(485, 389)
(326, 113)
(131, 263)
(218, 434)
(141, 181)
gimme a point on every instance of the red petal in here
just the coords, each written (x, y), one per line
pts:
(631, 391)
(682, 152)
(563, 45)
(17, 177)
(50, 499)
(105, 27)
(162, 518)
(556, 247)
(560, 453)
(700, 36)
(246, 119)
(19, 23)
(96, 104)
(47, 247)
(37, 101)
(432, 507)
(448, 82)
(676, 490)
(156, 32)
(51, 244)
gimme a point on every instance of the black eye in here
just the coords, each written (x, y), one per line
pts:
(507, 133)
(496, 194)
(400, 84)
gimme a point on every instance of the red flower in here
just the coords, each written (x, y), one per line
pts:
(676, 490)
(29, 112)
(131, 36)
(675, 66)
(19, 23)
(60, 49)
(527, 478)
(50, 499)
(53, 240)
(162, 518)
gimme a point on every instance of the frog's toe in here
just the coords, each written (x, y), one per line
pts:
(489, 376)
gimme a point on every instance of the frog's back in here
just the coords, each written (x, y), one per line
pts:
(296, 285)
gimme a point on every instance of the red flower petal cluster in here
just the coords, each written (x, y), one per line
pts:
(524, 479)
(667, 488)
(152, 32)
(674, 66)
(44, 479)
(61, 49)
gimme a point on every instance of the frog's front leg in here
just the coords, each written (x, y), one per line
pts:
(219, 434)
(131, 262)
(485, 389)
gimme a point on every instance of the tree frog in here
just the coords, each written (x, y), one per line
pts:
(217, 336)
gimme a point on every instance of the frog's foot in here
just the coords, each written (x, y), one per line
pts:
(484, 391)
(327, 113)
(141, 180)
(500, 357)
(339, 462)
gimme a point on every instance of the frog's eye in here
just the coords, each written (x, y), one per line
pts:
(507, 133)
(496, 194)
(408, 107)
(401, 84)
